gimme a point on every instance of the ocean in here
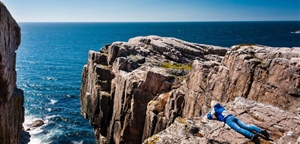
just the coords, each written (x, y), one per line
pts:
(51, 57)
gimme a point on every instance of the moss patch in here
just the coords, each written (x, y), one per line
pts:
(176, 66)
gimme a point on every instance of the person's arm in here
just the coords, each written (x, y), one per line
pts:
(205, 119)
(208, 116)
(211, 115)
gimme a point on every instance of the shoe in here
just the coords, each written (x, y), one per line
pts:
(265, 134)
(255, 139)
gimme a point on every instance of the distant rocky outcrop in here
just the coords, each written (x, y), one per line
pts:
(297, 32)
(11, 98)
(133, 90)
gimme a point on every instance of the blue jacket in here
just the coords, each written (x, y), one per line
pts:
(218, 112)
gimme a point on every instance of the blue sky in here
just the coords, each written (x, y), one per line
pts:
(152, 10)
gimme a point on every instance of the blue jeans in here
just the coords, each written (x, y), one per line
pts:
(242, 128)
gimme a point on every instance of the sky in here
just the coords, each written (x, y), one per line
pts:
(152, 10)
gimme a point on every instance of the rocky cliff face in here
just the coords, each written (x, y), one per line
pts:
(11, 98)
(133, 90)
(263, 74)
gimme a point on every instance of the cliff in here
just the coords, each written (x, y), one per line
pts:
(133, 90)
(11, 98)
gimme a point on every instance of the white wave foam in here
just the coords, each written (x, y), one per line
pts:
(39, 135)
(76, 142)
(51, 116)
(49, 78)
(52, 101)
(49, 109)
(34, 141)
(36, 131)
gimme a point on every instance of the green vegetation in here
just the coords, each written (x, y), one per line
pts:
(246, 44)
(133, 56)
(176, 66)
(107, 67)
(205, 79)
(106, 54)
(182, 120)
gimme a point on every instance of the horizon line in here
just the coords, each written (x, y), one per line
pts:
(155, 21)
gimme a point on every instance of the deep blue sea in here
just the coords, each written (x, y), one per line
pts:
(51, 56)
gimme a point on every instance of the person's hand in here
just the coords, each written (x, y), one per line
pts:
(227, 126)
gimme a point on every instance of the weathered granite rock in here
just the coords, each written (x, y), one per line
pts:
(36, 123)
(283, 126)
(11, 98)
(140, 87)
(119, 82)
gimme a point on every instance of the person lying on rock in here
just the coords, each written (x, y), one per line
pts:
(218, 112)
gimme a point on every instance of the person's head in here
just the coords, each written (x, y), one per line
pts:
(213, 103)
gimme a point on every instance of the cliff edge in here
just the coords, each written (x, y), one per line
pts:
(11, 98)
(136, 89)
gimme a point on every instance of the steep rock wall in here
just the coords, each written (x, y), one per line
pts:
(11, 98)
(260, 73)
(124, 78)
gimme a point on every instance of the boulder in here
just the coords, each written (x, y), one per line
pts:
(36, 123)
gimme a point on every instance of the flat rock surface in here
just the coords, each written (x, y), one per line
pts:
(283, 126)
